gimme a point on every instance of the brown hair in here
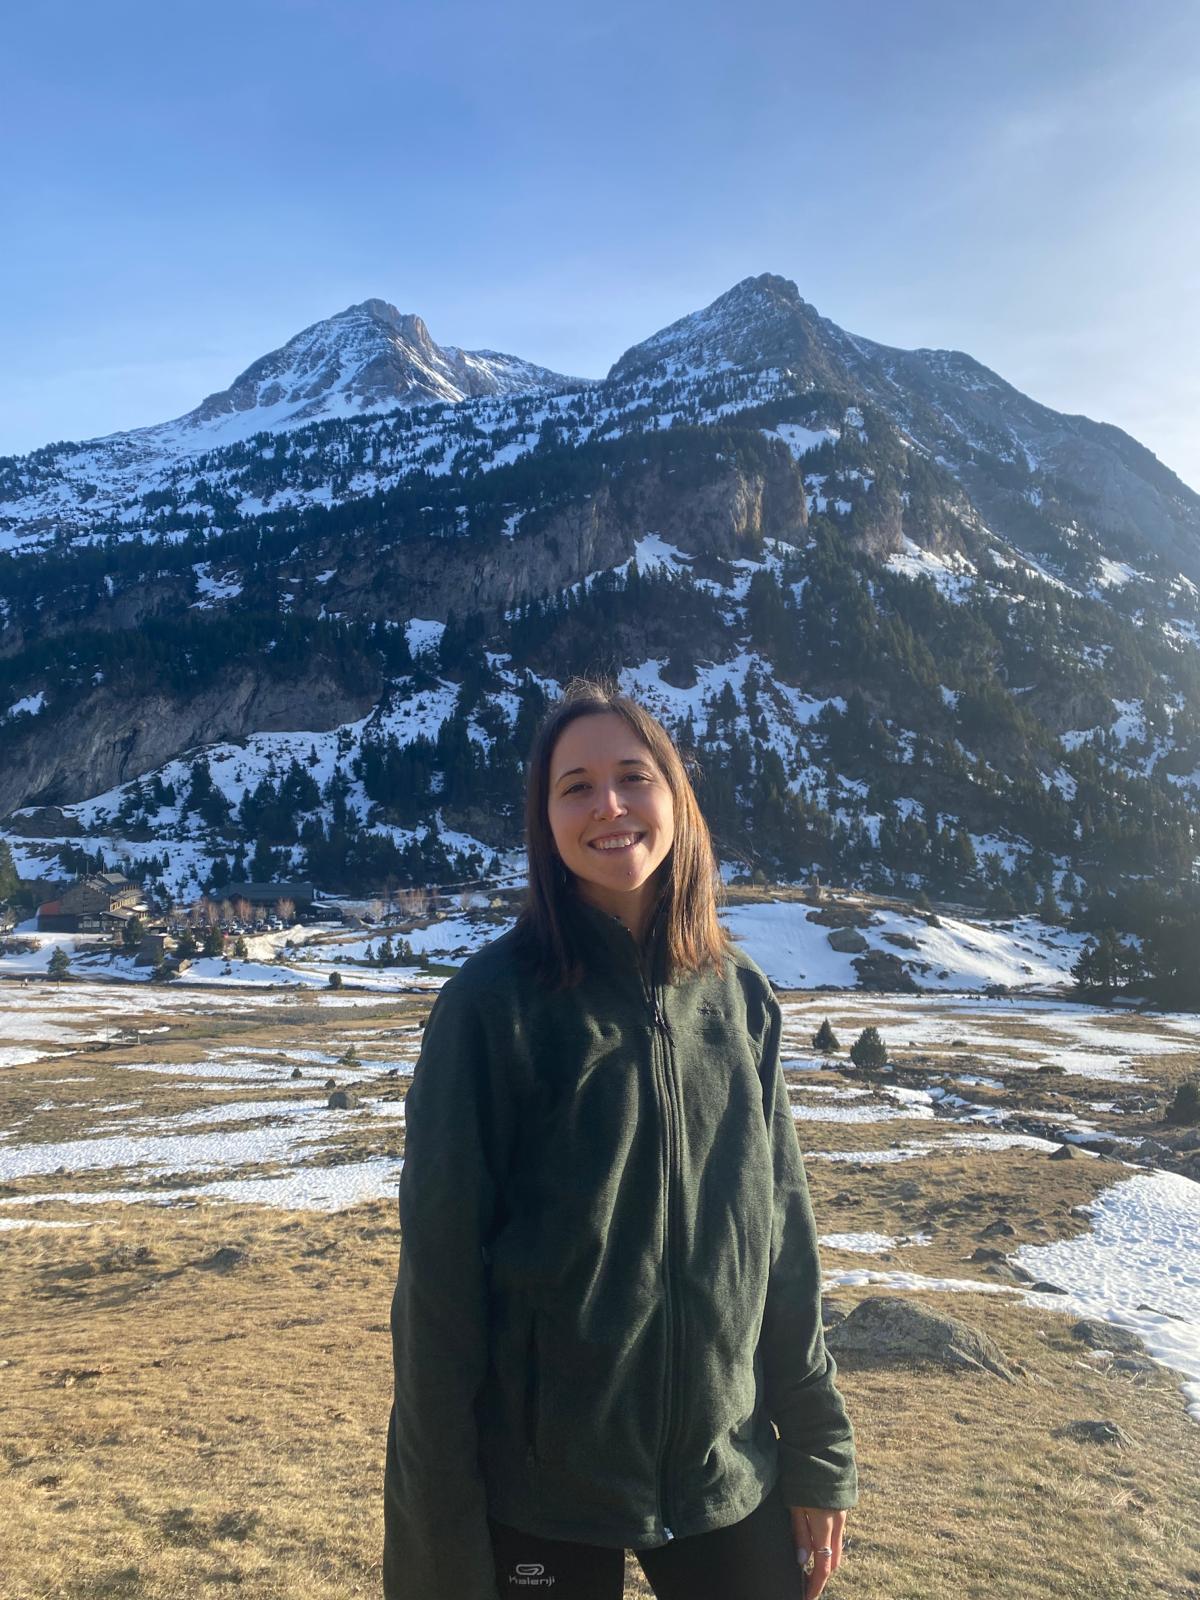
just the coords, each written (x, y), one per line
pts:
(689, 886)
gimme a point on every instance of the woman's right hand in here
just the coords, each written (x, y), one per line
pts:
(817, 1533)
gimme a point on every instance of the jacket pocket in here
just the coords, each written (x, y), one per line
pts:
(531, 1390)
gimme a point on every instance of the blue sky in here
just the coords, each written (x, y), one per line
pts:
(184, 187)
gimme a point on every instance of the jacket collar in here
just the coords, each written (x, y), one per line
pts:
(612, 934)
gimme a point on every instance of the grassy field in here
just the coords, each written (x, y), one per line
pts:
(195, 1395)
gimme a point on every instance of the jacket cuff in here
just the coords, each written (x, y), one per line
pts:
(806, 1480)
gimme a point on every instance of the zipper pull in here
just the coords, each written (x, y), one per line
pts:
(667, 1531)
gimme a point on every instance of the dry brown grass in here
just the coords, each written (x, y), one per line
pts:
(175, 1430)
(172, 1429)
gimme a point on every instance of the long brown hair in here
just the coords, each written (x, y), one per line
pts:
(690, 885)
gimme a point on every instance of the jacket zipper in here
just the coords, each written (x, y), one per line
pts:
(661, 1028)
(531, 1394)
(674, 1361)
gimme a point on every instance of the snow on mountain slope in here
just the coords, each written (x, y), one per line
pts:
(951, 405)
(1032, 473)
(367, 360)
(369, 357)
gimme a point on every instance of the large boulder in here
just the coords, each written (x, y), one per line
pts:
(889, 1329)
(884, 973)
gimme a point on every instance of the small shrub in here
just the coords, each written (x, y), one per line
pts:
(335, 980)
(869, 1051)
(1185, 1104)
(825, 1041)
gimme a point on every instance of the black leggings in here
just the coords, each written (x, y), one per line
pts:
(754, 1559)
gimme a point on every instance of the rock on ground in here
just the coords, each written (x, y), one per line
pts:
(888, 1328)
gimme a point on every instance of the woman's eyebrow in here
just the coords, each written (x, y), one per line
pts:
(627, 761)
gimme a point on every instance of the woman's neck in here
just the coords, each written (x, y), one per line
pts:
(635, 909)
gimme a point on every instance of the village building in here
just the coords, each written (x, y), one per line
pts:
(266, 897)
(105, 902)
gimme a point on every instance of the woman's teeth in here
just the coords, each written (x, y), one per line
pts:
(618, 841)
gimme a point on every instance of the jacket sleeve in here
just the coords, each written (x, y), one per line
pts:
(816, 1440)
(457, 1121)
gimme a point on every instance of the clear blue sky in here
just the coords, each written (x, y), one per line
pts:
(186, 186)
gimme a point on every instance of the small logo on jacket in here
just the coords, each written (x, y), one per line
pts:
(531, 1575)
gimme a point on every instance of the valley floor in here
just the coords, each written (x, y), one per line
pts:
(200, 1252)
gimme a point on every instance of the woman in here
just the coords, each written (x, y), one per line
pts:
(608, 1296)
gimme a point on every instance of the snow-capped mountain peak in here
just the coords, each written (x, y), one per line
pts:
(369, 357)
(366, 360)
(760, 322)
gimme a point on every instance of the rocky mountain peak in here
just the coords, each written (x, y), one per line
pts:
(761, 322)
(369, 357)
(404, 325)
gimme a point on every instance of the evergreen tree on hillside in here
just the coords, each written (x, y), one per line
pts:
(9, 882)
(825, 1041)
(1107, 964)
(869, 1051)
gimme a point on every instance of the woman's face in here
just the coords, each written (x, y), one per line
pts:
(611, 813)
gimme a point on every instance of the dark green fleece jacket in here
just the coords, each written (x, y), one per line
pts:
(609, 1286)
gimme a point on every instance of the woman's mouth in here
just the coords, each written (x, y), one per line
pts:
(616, 843)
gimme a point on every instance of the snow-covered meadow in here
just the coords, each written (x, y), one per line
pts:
(214, 1090)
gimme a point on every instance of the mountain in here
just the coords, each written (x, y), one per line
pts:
(952, 406)
(368, 358)
(921, 633)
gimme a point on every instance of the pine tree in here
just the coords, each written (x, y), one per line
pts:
(60, 964)
(1048, 908)
(825, 1041)
(9, 882)
(869, 1051)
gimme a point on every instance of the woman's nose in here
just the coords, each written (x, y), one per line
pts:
(608, 801)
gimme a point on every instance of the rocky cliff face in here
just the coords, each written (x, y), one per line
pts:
(727, 517)
(107, 738)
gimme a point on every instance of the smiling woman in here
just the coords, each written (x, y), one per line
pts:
(606, 1328)
(612, 816)
(602, 769)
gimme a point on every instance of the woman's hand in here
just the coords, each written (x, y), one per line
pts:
(818, 1537)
